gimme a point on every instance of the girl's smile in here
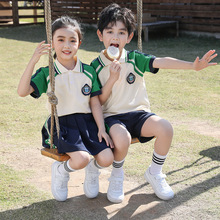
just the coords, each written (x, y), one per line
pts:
(66, 43)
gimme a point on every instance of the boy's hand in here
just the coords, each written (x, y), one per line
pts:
(41, 49)
(205, 61)
(108, 140)
(115, 69)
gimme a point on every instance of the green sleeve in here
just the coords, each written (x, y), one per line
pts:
(39, 81)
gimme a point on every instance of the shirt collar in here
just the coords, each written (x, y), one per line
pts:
(104, 61)
(60, 69)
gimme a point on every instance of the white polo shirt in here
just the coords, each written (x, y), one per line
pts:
(73, 88)
(129, 92)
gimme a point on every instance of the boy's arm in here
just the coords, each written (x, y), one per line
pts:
(114, 69)
(98, 116)
(198, 64)
(24, 87)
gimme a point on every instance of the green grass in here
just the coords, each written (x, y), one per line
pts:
(182, 97)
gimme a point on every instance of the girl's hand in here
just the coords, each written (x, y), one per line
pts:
(205, 61)
(115, 69)
(108, 140)
(41, 49)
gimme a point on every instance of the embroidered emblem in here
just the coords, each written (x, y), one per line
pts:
(131, 78)
(86, 90)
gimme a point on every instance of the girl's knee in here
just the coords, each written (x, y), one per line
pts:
(79, 159)
(105, 158)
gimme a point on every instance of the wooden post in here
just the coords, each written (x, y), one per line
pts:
(35, 11)
(15, 12)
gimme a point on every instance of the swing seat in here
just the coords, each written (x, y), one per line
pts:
(53, 152)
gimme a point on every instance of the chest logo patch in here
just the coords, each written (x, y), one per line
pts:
(86, 90)
(131, 78)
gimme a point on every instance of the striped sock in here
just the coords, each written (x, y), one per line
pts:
(65, 168)
(157, 163)
(117, 169)
(94, 164)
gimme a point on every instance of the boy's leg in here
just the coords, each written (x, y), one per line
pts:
(91, 182)
(61, 170)
(163, 131)
(122, 139)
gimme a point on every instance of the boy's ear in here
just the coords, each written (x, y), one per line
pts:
(130, 37)
(99, 35)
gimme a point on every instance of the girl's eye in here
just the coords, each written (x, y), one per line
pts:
(122, 33)
(60, 40)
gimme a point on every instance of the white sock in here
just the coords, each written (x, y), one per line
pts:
(65, 168)
(94, 164)
(157, 163)
(117, 168)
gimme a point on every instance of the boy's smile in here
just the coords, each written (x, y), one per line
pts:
(115, 35)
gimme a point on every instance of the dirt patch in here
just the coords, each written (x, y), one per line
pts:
(201, 127)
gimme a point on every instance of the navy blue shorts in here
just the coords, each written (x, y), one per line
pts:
(78, 132)
(132, 121)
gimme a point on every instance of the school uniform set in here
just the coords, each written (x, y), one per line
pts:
(73, 88)
(128, 103)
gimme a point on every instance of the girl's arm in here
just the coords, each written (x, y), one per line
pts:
(115, 69)
(24, 87)
(98, 116)
(198, 64)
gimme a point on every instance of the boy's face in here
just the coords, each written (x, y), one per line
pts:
(116, 35)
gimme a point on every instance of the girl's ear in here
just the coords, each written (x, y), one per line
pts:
(99, 35)
(79, 43)
(130, 37)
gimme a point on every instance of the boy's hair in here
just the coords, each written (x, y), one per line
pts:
(65, 21)
(113, 13)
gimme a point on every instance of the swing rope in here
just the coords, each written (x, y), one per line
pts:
(139, 23)
(51, 95)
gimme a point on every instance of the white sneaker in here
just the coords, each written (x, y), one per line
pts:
(91, 182)
(159, 185)
(115, 192)
(59, 183)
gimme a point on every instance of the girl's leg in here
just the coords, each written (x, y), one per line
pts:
(91, 182)
(163, 132)
(61, 170)
(122, 139)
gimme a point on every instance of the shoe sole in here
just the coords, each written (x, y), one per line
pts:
(114, 200)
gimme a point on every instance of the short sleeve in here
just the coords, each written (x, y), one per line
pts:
(39, 81)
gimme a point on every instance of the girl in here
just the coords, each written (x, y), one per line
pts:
(77, 91)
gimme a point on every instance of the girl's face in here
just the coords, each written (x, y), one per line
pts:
(116, 35)
(66, 43)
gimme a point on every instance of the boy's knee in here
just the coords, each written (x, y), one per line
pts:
(166, 128)
(105, 158)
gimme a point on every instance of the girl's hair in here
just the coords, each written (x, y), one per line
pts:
(113, 13)
(65, 21)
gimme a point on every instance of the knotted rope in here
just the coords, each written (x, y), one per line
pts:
(139, 23)
(51, 95)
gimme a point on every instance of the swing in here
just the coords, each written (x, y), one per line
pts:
(53, 152)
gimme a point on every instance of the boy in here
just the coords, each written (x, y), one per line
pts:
(125, 102)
